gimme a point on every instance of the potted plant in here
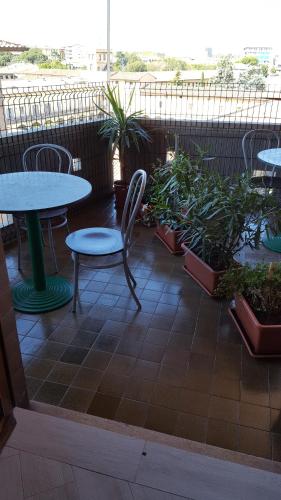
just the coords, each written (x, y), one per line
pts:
(122, 130)
(257, 313)
(225, 215)
(171, 184)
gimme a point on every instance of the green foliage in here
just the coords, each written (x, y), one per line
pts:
(249, 60)
(225, 70)
(34, 56)
(5, 58)
(121, 128)
(171, 185)
(174, 64)
(273, 70)
(225, 216)
(129, 61)
(260, 285)
(177, 79)
(52, 65)
(254, 77)
(136, 66)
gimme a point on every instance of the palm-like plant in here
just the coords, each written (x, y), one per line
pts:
(121, 128)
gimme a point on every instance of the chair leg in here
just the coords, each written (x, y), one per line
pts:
(132, 278)
(52, 246)
(128, 275)
(76, 275)
(17, 225)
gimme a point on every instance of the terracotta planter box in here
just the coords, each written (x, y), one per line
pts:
(169, 237)
(203, 274)
(263, 339)
(120, 190)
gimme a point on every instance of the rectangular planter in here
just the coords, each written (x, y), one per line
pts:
(169, 237)
(264, 339)
(203, 274)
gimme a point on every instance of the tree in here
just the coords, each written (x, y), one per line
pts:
(249, 60)
(34, 56)
(121, 61)
(177, 78)
(225, 70)
(135, 66)
(5, 58)
(253, 78)
(174, 64)
(52, 65)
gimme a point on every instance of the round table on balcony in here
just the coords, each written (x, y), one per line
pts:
(31, 192)
(271, 157)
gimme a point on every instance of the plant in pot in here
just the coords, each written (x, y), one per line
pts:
(225, 216)
(257, 313)
(171, 184)
(123, 131)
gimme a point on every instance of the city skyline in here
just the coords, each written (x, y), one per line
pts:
(182, 31)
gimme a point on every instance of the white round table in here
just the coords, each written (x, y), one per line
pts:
(31, 192)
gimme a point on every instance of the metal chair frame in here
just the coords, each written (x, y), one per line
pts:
(249, 139)
(47, 215)
(132, 204)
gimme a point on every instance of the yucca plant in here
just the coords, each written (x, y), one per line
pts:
(121, 128)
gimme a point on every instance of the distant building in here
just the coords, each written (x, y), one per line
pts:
(78, 56)
(263, 54)
(209, 52)
(11, 47)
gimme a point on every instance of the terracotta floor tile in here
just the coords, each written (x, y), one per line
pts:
(139, 389)
(77, 399)
(74, 355)
(166, 395)
(87, 378)
(104, 406)
(132, 412)
(113, 385)
(63, 373)
(191, 427)
(194, 402)
(223, 434)
(106, 343)
(255, 442)
(225, 388)
(51, 393)
(98, 360)
(161, 419)
(224, 409)
(254, 416)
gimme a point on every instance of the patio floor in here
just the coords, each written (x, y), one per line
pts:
(177, 367)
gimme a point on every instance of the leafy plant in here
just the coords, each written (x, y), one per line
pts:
(260, 285)
(121, 128)
(224, 217)
(171, 184)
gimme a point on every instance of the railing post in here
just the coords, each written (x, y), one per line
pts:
(2, 114)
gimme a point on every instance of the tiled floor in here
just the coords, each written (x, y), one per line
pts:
(178, 366)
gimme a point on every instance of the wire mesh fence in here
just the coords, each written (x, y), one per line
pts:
(215, 117)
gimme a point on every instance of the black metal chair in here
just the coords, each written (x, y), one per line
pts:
(42, 157)
(101, 242)
(254, 141)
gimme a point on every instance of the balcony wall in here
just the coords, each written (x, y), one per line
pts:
(221, 140)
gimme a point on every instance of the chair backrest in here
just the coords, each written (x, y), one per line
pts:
(132, 205)
(48, 157)
(256, 140)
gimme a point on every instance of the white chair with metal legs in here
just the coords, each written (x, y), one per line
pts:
(254, 141)
(101, 242)
(45, 157)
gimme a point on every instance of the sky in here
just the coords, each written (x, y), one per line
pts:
(177, 28)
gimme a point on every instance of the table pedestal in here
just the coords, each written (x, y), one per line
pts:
(41, 293)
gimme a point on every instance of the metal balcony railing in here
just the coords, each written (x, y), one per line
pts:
(215, 117)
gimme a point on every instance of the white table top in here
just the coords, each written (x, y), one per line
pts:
(27, 191)
(270, 157)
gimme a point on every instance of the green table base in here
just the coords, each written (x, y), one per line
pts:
(273, 243)
(58, 292)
